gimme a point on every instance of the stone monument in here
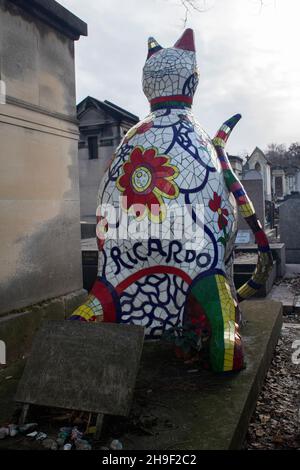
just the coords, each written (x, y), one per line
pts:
(39, 191)
(289, 227)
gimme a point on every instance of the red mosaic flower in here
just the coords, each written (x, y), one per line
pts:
(147, 178)
(215, 206)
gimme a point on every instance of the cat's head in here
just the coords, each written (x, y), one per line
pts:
(171, 71)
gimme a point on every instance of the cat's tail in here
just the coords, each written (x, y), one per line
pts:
(265, 260)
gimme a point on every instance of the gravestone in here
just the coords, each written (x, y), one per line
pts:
(88, 230)
(83, 366)
(255, 191)
(89, 253)
(243, 237)
(289, 227)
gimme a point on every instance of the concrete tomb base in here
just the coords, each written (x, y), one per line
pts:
(244, 267)
(189, 408)
(198, 409)
(18, 328)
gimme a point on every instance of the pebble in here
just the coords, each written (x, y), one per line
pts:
(32, 434)
(41, 436)
(50, 444)
(25, 428)
(63, 435)
(81, 444)
(76, 434)
(13, 430)
(4, 432)
(116, 445)
(60, 441)
(68, 447)
(67, 430)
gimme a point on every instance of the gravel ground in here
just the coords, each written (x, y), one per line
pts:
(275, 423)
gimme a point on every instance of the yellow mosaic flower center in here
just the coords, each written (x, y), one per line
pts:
(219, 211)
(141, 179)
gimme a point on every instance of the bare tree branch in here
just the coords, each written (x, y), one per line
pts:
(194, 5)
(201, 7)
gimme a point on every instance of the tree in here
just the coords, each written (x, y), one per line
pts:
(276, 153)
(294, 153)
(279, 155)
(193, 5)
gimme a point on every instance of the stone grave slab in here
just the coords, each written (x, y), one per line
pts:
(83, 366)
(193, 409)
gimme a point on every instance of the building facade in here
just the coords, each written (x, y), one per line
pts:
(280, 181)
(258, 161)
(237, 164)
(102, 125)
(285, 180)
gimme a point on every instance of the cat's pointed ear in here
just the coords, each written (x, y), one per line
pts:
(153, 47)
(186, 41)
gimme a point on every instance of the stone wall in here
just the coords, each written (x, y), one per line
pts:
(39, 189)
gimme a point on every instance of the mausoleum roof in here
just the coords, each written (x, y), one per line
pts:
(107, 106)
(55, 15)
(260, 152)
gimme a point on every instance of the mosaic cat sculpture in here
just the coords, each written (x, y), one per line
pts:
(161, 282)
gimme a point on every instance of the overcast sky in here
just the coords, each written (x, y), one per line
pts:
(248, 57)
